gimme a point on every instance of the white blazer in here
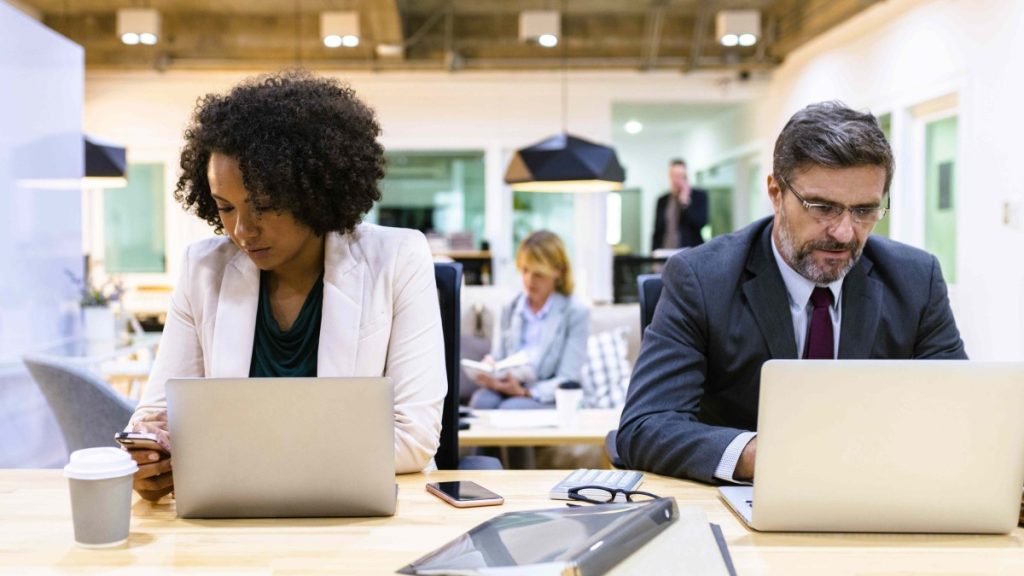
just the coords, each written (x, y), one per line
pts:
(381, 317)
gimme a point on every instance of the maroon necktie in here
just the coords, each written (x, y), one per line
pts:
(819, 344)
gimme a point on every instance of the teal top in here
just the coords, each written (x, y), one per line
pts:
(280, 353)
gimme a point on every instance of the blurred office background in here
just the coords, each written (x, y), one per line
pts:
(458, 89)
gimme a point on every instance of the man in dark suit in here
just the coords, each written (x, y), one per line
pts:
(808, 282)
(681, 212)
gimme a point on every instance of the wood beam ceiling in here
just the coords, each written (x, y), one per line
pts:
(443, 34)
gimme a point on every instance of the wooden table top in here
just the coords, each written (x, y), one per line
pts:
(36, 535)
(593, 426)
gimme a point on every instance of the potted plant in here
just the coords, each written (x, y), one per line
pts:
(98, 319)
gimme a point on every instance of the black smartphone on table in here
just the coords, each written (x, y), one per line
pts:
(464, 494)
(139, 441)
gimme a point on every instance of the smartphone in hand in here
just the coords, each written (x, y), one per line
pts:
(139, 441)
(464, 494)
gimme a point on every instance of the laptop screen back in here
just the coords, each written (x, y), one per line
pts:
(889, 446)
(282, 447)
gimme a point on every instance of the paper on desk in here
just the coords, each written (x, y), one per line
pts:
(687, 546)
(523, 419)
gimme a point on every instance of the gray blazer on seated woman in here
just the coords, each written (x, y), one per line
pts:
(545, 323)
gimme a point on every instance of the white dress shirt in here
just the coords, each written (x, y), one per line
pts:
(533, 328)
(799, 291)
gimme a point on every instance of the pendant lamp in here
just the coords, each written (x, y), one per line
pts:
(563, 162)
(106, 165)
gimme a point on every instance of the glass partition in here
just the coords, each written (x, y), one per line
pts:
(885, 122)
(435, 192)
(720, 183)
(940, 193)
(133, 222)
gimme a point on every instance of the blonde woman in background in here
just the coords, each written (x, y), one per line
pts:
(545, 323)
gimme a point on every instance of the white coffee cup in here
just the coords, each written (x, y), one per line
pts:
(568, 401)
(100, 482)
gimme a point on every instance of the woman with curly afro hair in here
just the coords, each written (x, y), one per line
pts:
(284, 167)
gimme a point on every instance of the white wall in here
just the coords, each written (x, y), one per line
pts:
(495, 112)
(894, 56)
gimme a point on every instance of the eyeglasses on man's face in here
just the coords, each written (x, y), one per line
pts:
(602, 494)
(828, 213)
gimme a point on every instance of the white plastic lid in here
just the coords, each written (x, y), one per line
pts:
(99, 464)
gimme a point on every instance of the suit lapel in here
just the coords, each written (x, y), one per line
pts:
(862, 308)
(235, 325)
(344, 273)
(768, 301)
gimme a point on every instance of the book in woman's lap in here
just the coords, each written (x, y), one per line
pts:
(517, 366)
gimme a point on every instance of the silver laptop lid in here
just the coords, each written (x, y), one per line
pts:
(889, 446)
(282, 447)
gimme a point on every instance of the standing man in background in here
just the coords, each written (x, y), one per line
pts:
(681, 213)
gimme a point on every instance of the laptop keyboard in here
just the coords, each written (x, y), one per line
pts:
(621, 479)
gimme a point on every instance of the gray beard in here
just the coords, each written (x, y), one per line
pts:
(801, 261)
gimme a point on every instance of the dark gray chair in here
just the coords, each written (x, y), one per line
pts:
(448, 277)
(87, 409)
(649, 291)
(611, 451)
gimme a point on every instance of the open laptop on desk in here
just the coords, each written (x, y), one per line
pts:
(886, 446)
(282, 447)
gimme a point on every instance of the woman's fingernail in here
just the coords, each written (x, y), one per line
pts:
(154, 456)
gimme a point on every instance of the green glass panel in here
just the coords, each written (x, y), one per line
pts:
(441, 192)
(552, 211)
(133, 222)
(631, 241)
(940, 193)
(756, 190)
(885, 122)
(720, 183)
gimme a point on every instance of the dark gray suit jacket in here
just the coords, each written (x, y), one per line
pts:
(724, 311)
(690, 220)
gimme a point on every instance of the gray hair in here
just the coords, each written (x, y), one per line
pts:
(833, 135)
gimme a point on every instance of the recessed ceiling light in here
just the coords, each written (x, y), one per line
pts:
(339, 29)
(633, 127)
(738, 27)
(138, 26)
(548, 40)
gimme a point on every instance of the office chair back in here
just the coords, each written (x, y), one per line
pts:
(448, 276)
(649, 291)
(87, 409)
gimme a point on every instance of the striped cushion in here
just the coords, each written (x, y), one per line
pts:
(606, 375)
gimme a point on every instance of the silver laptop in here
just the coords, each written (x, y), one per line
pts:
(887, 446)
(282, 447)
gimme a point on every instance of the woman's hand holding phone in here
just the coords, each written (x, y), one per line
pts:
(155, 479)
